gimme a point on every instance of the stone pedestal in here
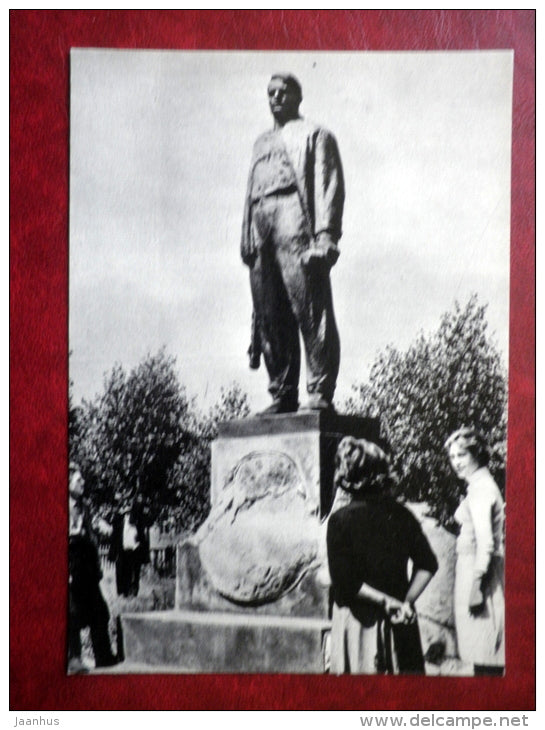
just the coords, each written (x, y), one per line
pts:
(309, 439)
(252, 584)
(193, 642)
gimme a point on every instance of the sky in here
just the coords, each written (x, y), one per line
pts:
(160, 147)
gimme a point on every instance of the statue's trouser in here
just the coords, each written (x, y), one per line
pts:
(288, 297)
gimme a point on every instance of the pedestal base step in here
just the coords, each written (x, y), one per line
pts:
(195, 642)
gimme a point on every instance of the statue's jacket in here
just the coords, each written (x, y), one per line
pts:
(314, 157)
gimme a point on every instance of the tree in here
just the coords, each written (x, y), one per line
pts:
(143, 436)
(190, 477)
(128, 439)
(454, 377)
(233, 403)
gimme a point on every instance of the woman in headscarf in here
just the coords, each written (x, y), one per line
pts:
(371, 542)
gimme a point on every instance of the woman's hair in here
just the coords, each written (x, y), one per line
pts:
(360, 466)
(471, 440)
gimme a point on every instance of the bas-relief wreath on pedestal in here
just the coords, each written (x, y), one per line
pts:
(263, 535)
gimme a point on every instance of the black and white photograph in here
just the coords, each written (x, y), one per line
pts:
(288, 356)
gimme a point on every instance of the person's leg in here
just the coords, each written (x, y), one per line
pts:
(74, 640)
(119, 575)
(321, 338)
(74, 637)
(123, 573)
(133, 572)
(136, 584)
(309, 293)
(100, 636)
(277, 325)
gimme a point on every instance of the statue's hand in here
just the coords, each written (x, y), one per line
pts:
(323, 252)
(249, 257)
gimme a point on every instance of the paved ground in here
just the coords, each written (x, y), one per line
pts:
(448, 668)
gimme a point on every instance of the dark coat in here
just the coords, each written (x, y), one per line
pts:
(116, 540)
(371, 540)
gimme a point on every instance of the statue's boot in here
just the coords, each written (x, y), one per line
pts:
(318, 402)
(281, 405)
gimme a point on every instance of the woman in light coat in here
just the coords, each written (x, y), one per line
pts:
(479, 602)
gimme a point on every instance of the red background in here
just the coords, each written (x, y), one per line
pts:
(39, 123)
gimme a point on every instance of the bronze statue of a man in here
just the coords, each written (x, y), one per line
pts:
(292, 223)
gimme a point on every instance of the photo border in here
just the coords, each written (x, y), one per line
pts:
(40, 42)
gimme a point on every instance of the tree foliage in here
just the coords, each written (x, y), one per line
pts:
(190, 477)
(452, 378)
(143, 436)
(131, 434)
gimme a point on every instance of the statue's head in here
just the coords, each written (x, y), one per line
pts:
(285, 96)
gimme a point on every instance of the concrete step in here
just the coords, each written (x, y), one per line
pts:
(134, 668)
(203, 642)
